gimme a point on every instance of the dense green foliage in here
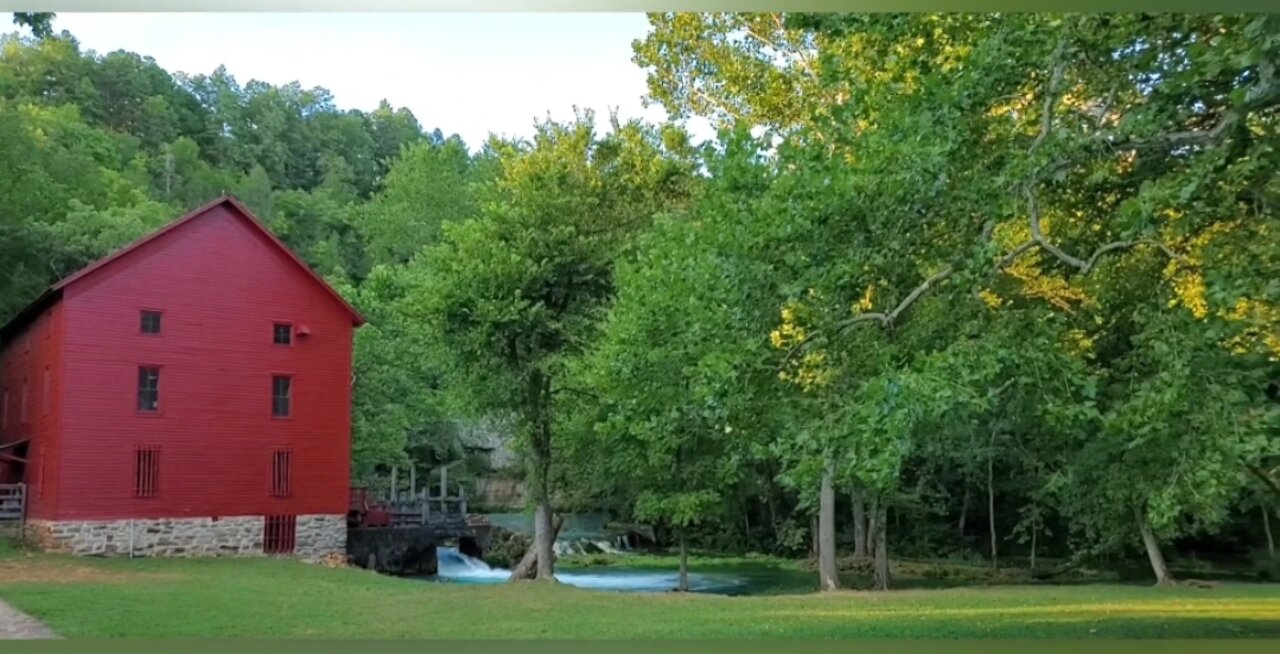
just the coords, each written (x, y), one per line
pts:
(1007, 284)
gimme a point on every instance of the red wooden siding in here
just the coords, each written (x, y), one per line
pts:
(34, 354)
(221, 285)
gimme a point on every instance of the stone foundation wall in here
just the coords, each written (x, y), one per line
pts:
(320, 536)
(317, 536)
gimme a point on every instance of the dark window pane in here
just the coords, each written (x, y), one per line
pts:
(148, 389)
(151, 322)
(283, 334)
(280, 391)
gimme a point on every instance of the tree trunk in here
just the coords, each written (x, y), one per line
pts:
(964, 508)
(1163, 578)
(1266, 527)
(828, 576)
(859, 523)
(528, 565)
(544, 535)
(813, 536)
(544, 541)
(991, 507)
(1035, 531)
(771, 503)
(880, 574)
(684, 565)
(873, 518)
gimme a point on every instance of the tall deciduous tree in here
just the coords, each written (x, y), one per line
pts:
(513, 295)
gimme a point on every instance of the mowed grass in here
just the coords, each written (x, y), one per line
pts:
(277, 598)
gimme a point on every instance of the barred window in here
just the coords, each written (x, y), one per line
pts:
(279, 534)
(146, 471)
(281, 473)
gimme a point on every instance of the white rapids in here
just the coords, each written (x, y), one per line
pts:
(454, 566)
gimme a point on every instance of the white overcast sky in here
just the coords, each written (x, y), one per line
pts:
(469, 74)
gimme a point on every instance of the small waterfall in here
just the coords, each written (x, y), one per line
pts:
(606, 547)
(452, 564)
(455, 566)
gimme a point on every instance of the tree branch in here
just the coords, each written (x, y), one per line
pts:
(1037, 235)
(1264, 95)
(887, 321)
(1013, 255)
(1050, 95)
(1083, 265)
(1266, 478)
(799, 50)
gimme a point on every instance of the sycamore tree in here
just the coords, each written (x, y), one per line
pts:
(512, 296)
(1010, 161)
(681, 398)
(1159, 163)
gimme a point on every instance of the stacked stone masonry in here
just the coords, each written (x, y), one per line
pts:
(317, 536)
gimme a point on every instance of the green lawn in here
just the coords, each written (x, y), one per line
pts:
(272, 598)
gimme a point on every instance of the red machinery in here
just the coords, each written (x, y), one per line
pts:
(364, 512)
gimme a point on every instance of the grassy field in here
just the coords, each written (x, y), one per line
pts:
(272, 598)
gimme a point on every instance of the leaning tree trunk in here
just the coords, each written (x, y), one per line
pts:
(528, 566)
(880, 571)
(991, 507)
(1035, 530)
(1158, 566)
(1266, 527)
(859, 523)
(964, 509)
(683, 585)
(828, 576)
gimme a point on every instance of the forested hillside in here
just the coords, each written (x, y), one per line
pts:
(1000, 287)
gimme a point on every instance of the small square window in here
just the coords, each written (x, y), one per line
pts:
(281, 396)
(282, 334)
(150, 322)
(148, 389)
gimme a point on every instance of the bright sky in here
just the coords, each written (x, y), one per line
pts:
(469, 74)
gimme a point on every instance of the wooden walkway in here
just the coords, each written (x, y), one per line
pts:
(16, 625)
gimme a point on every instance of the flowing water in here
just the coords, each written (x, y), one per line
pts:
(456, 567)
(583, 533)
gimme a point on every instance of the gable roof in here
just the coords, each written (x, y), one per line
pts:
(54, 293)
